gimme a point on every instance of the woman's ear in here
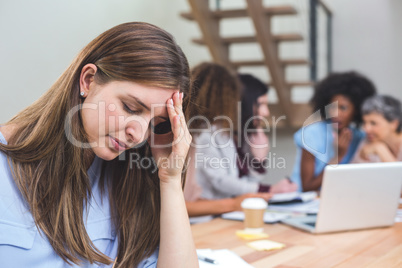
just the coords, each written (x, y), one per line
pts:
(395, 125)
(87, 77)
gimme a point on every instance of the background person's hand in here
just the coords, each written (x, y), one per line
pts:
(283, 186)
(170, 150)
(372, 148)
(342, 142)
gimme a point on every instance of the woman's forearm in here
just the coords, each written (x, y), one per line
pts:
(210, 207)
(176, 247)
(385, 154)
(309, 181)
(313, 184)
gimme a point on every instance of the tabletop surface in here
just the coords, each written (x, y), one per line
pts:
(380, 247)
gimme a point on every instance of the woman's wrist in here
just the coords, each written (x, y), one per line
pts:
(170, 182)
(230, 204)
(384, 153)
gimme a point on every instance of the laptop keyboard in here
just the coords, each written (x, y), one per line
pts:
(312, 224)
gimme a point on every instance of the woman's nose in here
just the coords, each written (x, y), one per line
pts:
(333, 113)
(137, 130)
(264, 111)
(366, 128)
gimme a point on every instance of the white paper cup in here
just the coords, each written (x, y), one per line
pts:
(254, 209)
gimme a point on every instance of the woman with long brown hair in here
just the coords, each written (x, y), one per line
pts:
(77, 185)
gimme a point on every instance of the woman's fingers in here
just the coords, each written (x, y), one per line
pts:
(182, 137)
(175, 120)
(171, 112)
(344, 137)
(178, 97)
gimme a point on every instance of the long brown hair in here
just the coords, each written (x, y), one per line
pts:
(215, 92)
(51, 173)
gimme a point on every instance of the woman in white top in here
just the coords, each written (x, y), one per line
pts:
(218, 162)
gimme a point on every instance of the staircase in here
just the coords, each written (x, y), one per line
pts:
(261, 17)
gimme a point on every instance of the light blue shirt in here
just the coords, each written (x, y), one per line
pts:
(22, 245)
(318, 139)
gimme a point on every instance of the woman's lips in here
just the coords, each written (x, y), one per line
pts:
(370, 137)
(118, 145)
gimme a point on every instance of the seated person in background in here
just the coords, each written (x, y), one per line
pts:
(197, 206)
(382, 122)
(335, 138)
(214, 164)
(253, 137)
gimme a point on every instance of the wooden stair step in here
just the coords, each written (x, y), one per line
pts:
(301, 83)
(230, 40)
(285, 63)
(253, 39)
(240, 13)
(244, 63)
(288, 62)
(291, 37)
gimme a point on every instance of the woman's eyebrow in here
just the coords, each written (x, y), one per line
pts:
(146, 107)
(139, 102)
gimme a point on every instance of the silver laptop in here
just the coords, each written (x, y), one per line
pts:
(355, 196)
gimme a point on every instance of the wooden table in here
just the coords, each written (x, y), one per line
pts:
(380, 247)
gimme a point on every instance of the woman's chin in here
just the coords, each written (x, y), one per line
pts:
(371, 139)
(336, 126)
(106, 153)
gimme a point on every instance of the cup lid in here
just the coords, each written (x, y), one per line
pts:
(254, 203)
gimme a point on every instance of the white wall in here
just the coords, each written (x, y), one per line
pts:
(38, 39)
(368, 38)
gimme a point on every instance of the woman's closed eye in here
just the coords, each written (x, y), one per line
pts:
(130, 111)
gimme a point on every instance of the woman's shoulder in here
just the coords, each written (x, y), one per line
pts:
(6, 131)
(13, 208)
(212, 135)
(314, 128)
(312, 134)
(3, 139)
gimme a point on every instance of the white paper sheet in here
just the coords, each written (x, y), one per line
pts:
(269, 217)
(225, 258)
(311, 207)
(293, 196)
(398, 217)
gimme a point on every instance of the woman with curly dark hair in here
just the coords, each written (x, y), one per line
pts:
(335, 138)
